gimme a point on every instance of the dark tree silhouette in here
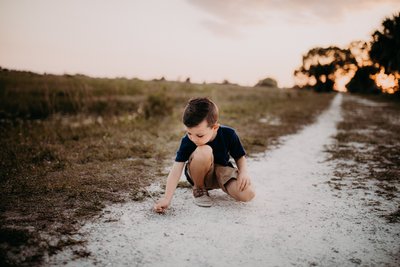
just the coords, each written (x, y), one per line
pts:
(362, 81)
(267, 82)
(385, 48)
(320, 66)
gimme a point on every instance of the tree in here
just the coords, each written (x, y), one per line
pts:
(268, 82)
(321, 66)
(385, 47)
(360, 50)
(362, 81)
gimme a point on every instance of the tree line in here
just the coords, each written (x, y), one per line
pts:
(362, 61)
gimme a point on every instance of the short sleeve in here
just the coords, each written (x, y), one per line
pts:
(236, 149)
(186, 148)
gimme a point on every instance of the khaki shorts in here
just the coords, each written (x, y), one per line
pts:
(216, 177)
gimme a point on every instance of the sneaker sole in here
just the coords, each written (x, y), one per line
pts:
(204, 205)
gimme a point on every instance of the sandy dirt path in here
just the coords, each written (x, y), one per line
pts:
(295, 219)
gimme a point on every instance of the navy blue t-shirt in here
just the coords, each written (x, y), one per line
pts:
(225, 143)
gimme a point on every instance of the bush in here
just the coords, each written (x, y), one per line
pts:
(157, 105)
(268, 82)
(362, 82)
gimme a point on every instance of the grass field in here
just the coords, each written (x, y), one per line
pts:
(72, 144)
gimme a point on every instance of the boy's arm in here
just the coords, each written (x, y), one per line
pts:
(173, 179)
(172, 182)
(243, 176)
(241, 164)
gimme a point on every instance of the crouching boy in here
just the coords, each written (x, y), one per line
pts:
(204, 155)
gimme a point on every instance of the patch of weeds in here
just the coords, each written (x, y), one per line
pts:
(157, 105)
(338, 175)
(393, 217)
(389, 188)
(69, 241)
(14, 237)
(336, 185)
(64, 242)
(139, 195)
(19, 247)
(89, 209)
(81, 253)
(43, 156)
(386, 175)
(385, 194)
(146, 150)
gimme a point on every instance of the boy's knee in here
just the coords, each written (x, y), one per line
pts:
(203, 152)
(250, 195)
(246, 195)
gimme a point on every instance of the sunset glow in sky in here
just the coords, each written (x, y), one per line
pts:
(206, 40)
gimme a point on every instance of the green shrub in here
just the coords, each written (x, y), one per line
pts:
(157, 105)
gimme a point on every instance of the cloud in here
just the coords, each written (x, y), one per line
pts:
(234, 11)
(234, 14)
(222, 29)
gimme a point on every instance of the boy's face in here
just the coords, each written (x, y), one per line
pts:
(201, 133)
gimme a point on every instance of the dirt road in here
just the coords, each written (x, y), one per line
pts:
(295, 219)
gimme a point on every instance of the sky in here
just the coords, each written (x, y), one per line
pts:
(241, 41)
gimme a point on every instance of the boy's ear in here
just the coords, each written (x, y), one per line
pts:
(216, 126)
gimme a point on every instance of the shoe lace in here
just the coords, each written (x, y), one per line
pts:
(198, 192)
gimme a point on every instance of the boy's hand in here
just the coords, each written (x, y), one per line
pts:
(161, 205)
(243, 181)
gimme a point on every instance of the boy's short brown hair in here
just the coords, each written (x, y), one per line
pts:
(198, 109)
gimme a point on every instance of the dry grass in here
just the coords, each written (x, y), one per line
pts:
(72, 144)
(368, 151)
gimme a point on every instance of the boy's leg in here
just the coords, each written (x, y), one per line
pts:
(200, 165)
(227, 178)
(233, 190)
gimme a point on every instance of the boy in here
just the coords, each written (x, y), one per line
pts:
(205, 149)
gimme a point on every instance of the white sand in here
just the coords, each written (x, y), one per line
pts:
(295, 219)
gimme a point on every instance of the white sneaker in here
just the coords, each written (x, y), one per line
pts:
(201, 197)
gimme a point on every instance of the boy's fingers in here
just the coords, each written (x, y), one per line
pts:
(242, 183)
(246, 184)
(159, 210)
